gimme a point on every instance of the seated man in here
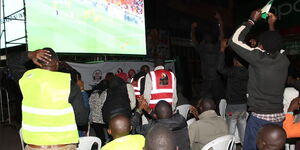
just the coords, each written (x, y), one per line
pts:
(119, 128)
(160, 138)
(271, 137)
(52, 106)
(164, 117)
(291, 128)
(209, 126)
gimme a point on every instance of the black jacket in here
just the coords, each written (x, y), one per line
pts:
(237, 78)
(117, 100)
(176, 124)
(267, 74)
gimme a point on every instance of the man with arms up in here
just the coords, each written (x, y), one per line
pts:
(268, 69)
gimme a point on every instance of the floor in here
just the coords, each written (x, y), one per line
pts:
(9, 138)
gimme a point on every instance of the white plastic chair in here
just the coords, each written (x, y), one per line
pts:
(86, 143)
(190, 121)
(144, 120)
(21, 139)
(183, 110)
(222, 107)
(289, 94)
(225, 142)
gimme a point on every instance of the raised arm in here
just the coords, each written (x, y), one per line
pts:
(17, 64)
(271, 21)
(221, 62)
(237, 40)
(221, 25)
(194, 25)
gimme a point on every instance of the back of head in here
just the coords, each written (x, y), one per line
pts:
(271, 137)
(163, 110)
(271, 41)
(119, 126)
(158, 62)
(137, 76)
(160, 138)
(109, 76)
(116, 82)
(206, 104)
(145, 69)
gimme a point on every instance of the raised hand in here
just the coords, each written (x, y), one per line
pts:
(40, 54)
(224, 45)
(255, 15)
(194, 111)
(218, 16)
(194, 25)
(294, 105)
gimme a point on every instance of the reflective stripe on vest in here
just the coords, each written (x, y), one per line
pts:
(50, 112)
(48, 129)
(159, 92)
(48, 117)
(137, 87)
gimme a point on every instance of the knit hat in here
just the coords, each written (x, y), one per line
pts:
(271, 41)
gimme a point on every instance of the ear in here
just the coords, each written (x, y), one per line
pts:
(109, 131)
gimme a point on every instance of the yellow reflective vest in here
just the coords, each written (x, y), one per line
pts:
(48, 117)
(128, 142)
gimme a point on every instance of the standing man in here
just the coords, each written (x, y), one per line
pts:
(268, 69)
(52, 106)
(208, 48)
(236, 92)
(160, 84)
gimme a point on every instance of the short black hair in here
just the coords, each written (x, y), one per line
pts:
(160, 138)
(163, 110)
(158, 62)
(271, 41)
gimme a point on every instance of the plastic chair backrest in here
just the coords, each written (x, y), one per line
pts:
(289, 94)
(183, 110)
(222, 107)
(21, 138)
(86, 143)
(225, 142)
(144, 120)
(190, 121)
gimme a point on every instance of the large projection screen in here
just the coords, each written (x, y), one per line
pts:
(87, 26)
(15, 26)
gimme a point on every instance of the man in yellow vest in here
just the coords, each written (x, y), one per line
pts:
(52, 106)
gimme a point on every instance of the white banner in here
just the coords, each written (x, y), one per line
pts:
(92, 74)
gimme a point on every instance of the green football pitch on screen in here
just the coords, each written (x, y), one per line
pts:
(86, 26)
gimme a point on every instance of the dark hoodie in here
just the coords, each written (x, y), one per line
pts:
(176, 124)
